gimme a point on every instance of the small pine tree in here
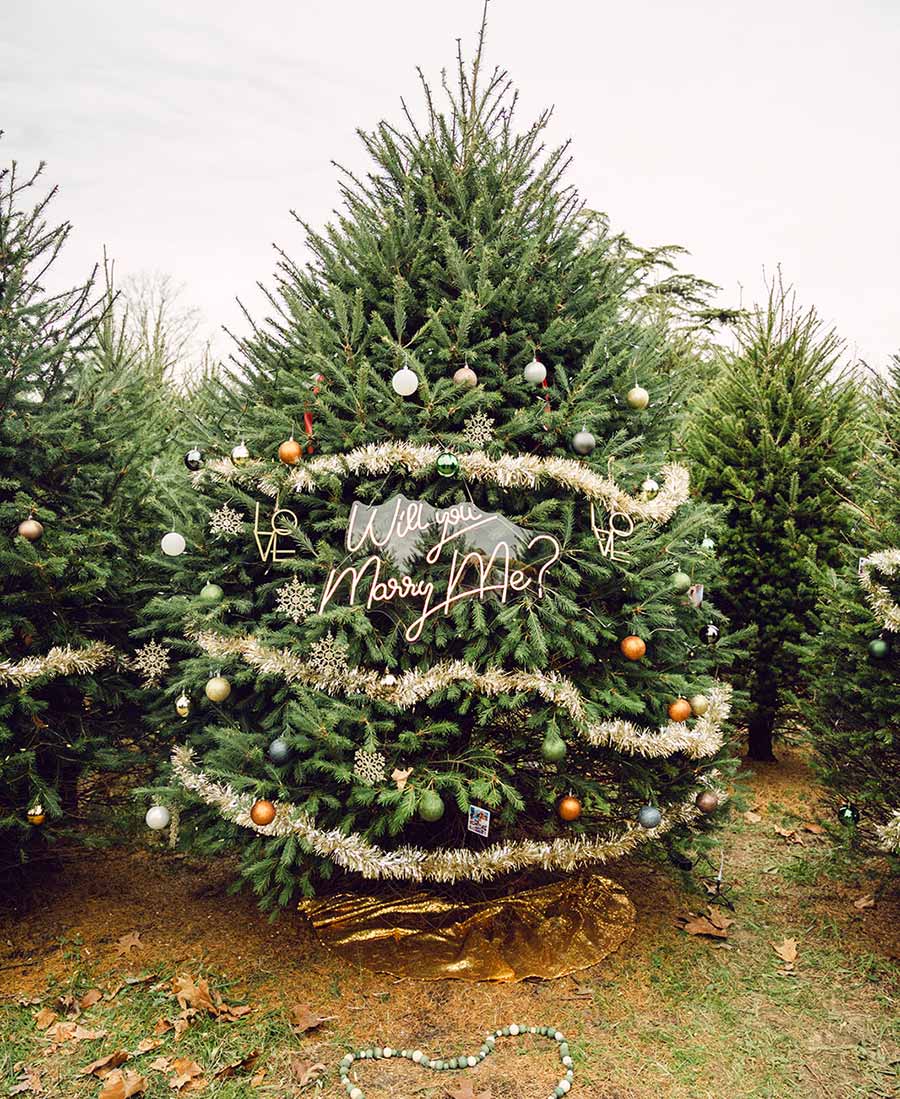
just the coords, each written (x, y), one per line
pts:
(772, 432)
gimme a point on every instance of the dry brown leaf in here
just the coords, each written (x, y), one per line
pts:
(305, 1072)
(90, 998)
(816, 829)
(103, 1066)
(120, 1085)
(194, 994)
(127, 943)
(786, 832)
(399, 777)
(160, 1064)
(466, 1091)
(29, 1080)
(865, 901)
(62, 1032)
(44, 1018)
(258, 1078)
(145, 1045)
(303, 1018)
(786, 950)
(246, 1064)
(162, 1027)
(715, 924)
(752, 817)
(187, 1072)
(230, 1014)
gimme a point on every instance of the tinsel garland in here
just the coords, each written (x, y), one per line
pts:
(701, 741)
(355, 853)
(508, 471)
(877, 595)
(60, 660)
(889, 834)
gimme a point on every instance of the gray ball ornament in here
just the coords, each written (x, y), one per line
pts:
(158, 817)
(649, 817)
(583, 442)
(279, 750)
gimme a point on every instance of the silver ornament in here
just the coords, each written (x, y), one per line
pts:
(535, 373)
(158, 817)
(583, 442)
(649, 817)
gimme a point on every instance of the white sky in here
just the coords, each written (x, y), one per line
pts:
(181, 134)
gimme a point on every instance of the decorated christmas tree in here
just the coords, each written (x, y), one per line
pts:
(450, 615)
(852, 659)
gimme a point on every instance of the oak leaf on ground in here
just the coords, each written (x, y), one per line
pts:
(188, 1075)
(245, 1064)
(127, 943)
(103, 1066)
(160, 1064)
(29, 1081)
(91, 997)
(865, 901)
(715, 924)
(146, 1045)
(305, 1072)
(303, 1018)
(787, 951)
(119, 1085)
(44, 1018)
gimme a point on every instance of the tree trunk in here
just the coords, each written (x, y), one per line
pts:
(761, 723)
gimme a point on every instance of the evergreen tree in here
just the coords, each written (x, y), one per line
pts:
(852, 658)
(80, 419)
(780, 422)
(409, 356)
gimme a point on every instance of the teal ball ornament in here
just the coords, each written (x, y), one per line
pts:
(553, 748)
(431, 806)
(279, 750)
(447, 465)
(649, 817)
(211, 594)
(878, 648)
(680, 583)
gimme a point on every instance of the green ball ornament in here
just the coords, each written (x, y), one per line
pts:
(878, 648)
(553, 748)
(211, 594)
(848, 815)
(680, 583)
(431, 806)
(447, 465)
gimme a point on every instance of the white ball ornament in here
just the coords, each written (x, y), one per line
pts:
(173, 544)
(158, 817)
(535, 372)
(583, 442)
(405, 382)
(638, 397)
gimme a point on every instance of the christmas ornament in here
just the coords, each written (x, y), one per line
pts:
(466, 376)
(708, 544)
(709, 633)
(706, 801)
(182, 705)
(447, 465)
(173, 544)
(878, 648)
(535, 373)
(226, 522)
(210, 594)
(583, 442)
(649, 488)
(279, 750)
(296, 600)
(699, 704)
(370, 767)
(240, 454)
(158, 817)
(649, 817)
(553, 748)
(194, 459)
(262, 812)
(36, 814)
(478, 430)
(848, 814)
(218, 689)
(695, 595)
(638, 397)
(569, 808)
(681, 582)
(30, 529)
(290, 452)
(680, 709)
(152, 661)
(431, 807)
(633, 647)
(405, 382)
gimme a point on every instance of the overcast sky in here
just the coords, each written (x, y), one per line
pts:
(753, 134)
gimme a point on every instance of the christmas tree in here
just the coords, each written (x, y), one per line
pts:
(852, 658)
(773, 432)
(447, 617)
(79, 415)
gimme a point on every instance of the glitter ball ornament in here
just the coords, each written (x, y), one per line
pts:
(583, 442)
(633, 647)
(553, 748)
(680, 709)
(211, 594)
(431, 806)
(218, 688)
(569, 808)
(709, 633)
(535, 373)
(466, 376)
(262, 812)
(649, 817)
(405, 382)
(30, 529)
(638, 397)
(194, 459)
(447, 465)
(699, 704)
(173, 544)
(240, 454)
(680, 583)
(182, 705)
(848, 815)
(706, 801)
(649, 488)
(290, 451)
(878, 648)
(158, 817)
(279, 750)
(36, 815)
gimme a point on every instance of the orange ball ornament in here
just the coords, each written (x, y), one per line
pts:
(290, 451)
(263, 812)
(680, 709)
(633, 647)
(569, 808)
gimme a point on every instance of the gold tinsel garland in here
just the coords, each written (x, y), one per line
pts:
(508, 471)
(60, 660)
(411, 687)
(877, 595)
(355, 853)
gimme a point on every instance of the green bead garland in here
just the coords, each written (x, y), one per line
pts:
(464, 1061)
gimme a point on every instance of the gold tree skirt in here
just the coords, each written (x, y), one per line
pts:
(544, 932)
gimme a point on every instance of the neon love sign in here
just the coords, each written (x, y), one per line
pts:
(486, 554)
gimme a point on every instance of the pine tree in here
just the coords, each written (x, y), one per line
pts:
(773, 432)
(79, 421)
(852, 657)
(461, 267)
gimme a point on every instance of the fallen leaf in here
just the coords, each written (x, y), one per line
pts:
(303, 1018)
(786, 832)
(258, 1078)
(466, 1091)
(400, 777)
(44, 1018)
(131, 941)
(103, 1066)
(715, 924)
(29, 1080)
(786, 950)
(182, 1022)
(187, 1074)
(816, 829)
(305, 1072)
(161, 1064)
(246, 1064)
(90, 998)
(122, 1085)
(195, 994)
(865, 901)
(752, 817)
(162, 1027)
(74, 1032)
(145, 1045)
(230, 1014)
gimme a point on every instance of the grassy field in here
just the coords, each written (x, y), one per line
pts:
(669, 1014)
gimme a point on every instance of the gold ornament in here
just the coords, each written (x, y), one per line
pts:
(680, 709)
(466, 376)
(240, 454)
(182, 705)
(638, 397)
(31, 529)
(290, 451)
(262, 813)
(36, 815)
(569, 808)
(633, 647)
(699, 704)
(218, 689)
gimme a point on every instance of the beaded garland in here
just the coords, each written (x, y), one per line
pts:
(354, 1091)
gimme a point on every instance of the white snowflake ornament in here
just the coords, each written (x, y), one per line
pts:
(152, 661)
(296, 600)
(369, 767)
(478, 430)
(226, 522)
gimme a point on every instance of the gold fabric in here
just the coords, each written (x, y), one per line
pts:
(544, 932)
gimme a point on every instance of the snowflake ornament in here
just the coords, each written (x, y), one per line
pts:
(479, 430)
(152, 661)
(369, 767)
(296, 600)
(226, 522)
(328, 657)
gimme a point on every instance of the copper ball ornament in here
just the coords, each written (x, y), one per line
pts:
(218, 688)
(569, 808)
(36, 815)
(290, 452)
(263, 812)
(633, 647)
(466, 376)
(30, 529)
(680, 709)
(706, 801)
